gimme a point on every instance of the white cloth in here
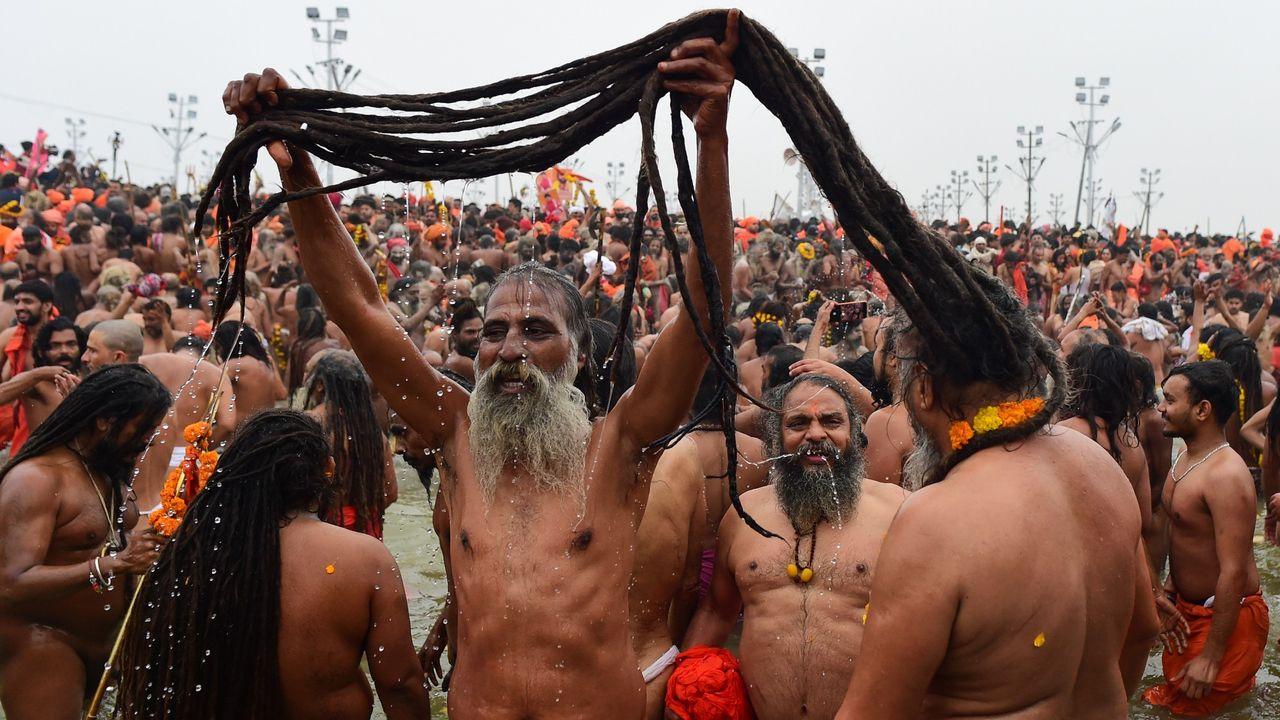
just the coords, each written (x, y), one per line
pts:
(176, 456)
(1151, 330)
(589, 262)
(657, 667)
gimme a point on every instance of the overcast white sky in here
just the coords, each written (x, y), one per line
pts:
(926, 85)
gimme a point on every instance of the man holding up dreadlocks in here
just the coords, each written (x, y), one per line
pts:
(66, 550)
(544, 501)
(1013, 584)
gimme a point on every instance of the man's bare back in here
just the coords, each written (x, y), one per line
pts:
(255, 385)
(963, 640)
(329, 622)
(889, 442)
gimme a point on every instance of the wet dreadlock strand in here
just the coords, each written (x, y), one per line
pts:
(596, 94)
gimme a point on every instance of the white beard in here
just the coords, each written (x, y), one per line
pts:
(540, 434)
(924, 459)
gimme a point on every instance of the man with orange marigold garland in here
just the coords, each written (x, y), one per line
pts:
(1014, 583)
(66, 546)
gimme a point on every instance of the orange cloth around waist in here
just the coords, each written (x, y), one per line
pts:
(1239, 665)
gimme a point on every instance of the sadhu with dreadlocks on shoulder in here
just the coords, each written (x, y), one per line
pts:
(545, 496)
(1014, 583)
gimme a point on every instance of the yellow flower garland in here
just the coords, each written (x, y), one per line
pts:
(764, 317)
(1204, 353)
(994, 417)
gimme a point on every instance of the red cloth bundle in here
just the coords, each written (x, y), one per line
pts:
(707, 684)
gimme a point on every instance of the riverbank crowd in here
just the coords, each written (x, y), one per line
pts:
(997, 498)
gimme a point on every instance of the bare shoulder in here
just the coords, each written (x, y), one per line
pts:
(31, 484)
(750, 448)
(877, 420)
(1076, 424)
(1227, 477)
(361, 553)
(884, 495)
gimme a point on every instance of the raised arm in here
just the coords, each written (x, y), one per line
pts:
(393, 663)
(347, 288)
(813, 348)
(701, 71)
(1259, 321)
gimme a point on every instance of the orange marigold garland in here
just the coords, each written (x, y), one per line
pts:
(994, 417)
(184, 481)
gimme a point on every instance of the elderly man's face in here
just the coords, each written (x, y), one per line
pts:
(523, 323)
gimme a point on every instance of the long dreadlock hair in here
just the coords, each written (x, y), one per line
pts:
(1104, 388)
(118, 394)
(204, 642)
(359, 455)
(972, 326)
(1237, 350)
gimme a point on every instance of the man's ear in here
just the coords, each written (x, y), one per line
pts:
(925, 396)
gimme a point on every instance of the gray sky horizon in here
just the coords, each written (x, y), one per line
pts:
(925, 86)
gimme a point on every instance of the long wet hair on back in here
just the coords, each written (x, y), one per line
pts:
(1104, 390)
(116, 393)
(204, 640)
(359, 454)
(1237, 350)
(967, 321)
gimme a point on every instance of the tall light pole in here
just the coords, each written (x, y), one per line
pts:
(332, 36)
(959, 191)
(807, 198)
(1055, 207)
(1087, 95)
(178, 136)
(1029, 165)
(939, 197)
(76, 131)
(616, 172)
(1148, 196)
(987, 167)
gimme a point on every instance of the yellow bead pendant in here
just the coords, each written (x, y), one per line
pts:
(806, 575)
(792, 571)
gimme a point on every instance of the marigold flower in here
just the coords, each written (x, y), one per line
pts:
(987, 419)
(961, 433)
(196, 431)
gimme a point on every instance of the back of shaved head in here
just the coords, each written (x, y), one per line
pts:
(122, 336)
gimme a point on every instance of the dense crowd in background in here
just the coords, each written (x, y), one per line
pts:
(82, 253)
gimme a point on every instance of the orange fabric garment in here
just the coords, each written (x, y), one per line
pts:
(16, 352)
(1231, 248)
(1160, 243)
(707, 684)
(1239, 665)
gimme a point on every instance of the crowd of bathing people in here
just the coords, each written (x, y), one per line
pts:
(1045, 472)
